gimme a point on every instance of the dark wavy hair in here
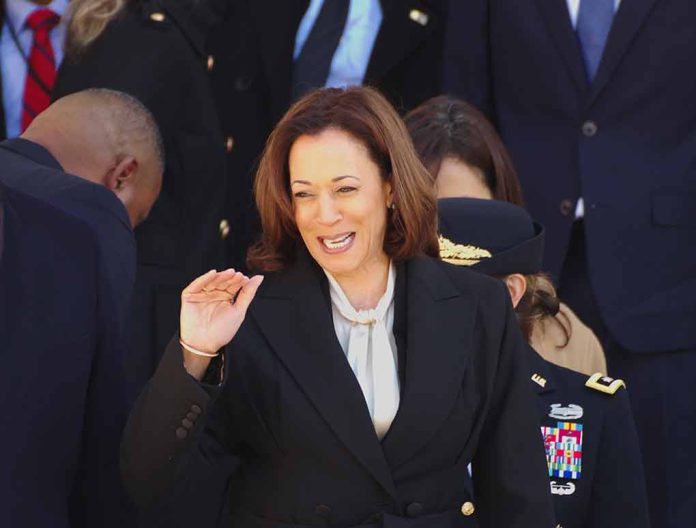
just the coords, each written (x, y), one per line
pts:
(366, 115)
(445, 127)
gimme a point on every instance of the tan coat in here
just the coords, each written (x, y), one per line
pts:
(583, 352)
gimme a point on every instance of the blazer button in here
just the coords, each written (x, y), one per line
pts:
(589, 128)
(224, 228)
(210, 63)
(414, 509)
(181, 433)
(323, 511)
(468, 508)
(196, 409)
(229, 144)
(191, 416)
(566, 207)
(188, 424)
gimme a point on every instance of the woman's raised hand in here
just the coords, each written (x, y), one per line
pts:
(213, 307)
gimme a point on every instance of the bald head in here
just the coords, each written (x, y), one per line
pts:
(109, 138)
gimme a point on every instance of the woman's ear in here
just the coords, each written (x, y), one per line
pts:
(390, 195)
(516, 285)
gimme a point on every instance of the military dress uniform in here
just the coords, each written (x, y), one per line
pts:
(595, 468)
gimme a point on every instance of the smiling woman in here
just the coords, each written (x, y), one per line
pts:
(363, 376)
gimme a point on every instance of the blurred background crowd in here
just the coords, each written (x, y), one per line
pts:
(582, 111)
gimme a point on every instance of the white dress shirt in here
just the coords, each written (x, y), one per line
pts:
(367, 340)
(573, 10)
(352, 55)
(13, 66)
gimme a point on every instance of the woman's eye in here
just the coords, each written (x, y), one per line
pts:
(346, 189)
(301, 194)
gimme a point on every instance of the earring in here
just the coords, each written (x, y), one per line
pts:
(392, 206)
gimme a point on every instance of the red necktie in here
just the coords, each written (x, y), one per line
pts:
(41, 66)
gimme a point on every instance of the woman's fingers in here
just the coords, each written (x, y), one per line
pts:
(246, 295)
(220, 278)
(206, 297)
(201, 282)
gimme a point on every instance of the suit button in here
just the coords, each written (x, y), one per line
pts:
(196, 409)
(188, 424)
(224, 228)
(229, 144)
(242, 83)
(566, 207)
(414, 509)
(191, 416)
(589, 128)
(468, 508)
(181, 433)
(210, 63)
(323, 511)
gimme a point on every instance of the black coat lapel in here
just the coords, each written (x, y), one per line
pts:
(295, 317)
(627, 22)
(440, 327)
(278, 22)
(398, 34)
(557, 18)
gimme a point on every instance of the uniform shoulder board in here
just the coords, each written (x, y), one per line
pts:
(605, 384)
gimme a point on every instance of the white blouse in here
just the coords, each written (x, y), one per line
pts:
(367, 340)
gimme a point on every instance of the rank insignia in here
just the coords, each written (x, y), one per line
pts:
(563, 449)
(604, 384)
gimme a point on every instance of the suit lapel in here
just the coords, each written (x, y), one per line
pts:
(278, 22)
(557, 18)
(295, 316)
(627, 22)
(397, 35)
(440, 325)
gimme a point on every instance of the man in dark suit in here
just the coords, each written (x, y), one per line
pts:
(97, 156)
(268, 53)
(595, 101)
(61, 377)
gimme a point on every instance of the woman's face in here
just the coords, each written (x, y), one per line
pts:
(456, 179)
(340, 202)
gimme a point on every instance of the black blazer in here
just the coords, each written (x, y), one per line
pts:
(154, 51)
(61, 374)
(626, 144)
(609, 489)
(252, 81)
(293, 415)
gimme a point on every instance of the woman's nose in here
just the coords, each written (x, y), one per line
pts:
(329, 212)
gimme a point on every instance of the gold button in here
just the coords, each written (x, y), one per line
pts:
(211, 62)
(157, 17)
(224, 228)
(468, 508)
(418, 17)
(229, 143)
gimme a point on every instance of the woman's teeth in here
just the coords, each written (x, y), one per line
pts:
(339, 242)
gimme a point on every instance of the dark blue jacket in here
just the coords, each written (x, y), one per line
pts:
(606, 489)
(31, 169)
(61, 379)
(626, 144)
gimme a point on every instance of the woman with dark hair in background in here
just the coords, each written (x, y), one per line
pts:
(462, 151)
(595, 468)
(154, 51)
(465, 155)
(366, 374)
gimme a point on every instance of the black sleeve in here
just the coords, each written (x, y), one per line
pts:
(618, 489)
(170, 438)
(509, 468)
(466, 65)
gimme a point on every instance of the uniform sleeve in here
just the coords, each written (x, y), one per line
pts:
(509, 469)
(175, 441)
(618, 489)
(466, 66)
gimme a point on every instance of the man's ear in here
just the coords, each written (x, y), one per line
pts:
(122, 173)
(516, 285)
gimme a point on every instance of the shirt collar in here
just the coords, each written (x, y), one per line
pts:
(17, 11)
(340, 299)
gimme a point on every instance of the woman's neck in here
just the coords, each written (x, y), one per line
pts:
(366, 286)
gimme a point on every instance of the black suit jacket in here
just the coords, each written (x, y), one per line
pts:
(609, 490)
(3, 126)
(154, 52)
(61, 374)
(626, 144)
(252, 80)
(293, 415)
(30, 168)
